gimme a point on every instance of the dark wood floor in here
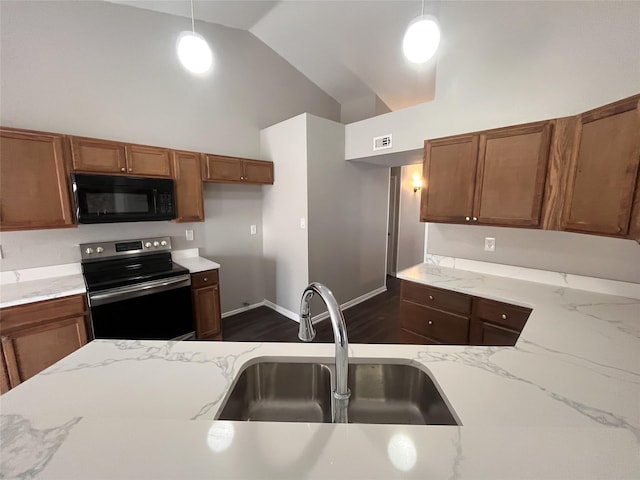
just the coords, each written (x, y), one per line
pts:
(372, 321)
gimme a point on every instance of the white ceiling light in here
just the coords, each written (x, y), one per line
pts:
(193, 51)
(422, 38)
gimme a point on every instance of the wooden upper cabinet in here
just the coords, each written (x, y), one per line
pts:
(256, 171)
(223, 169)
(34, 185)
(449, 173)
(93, 155)
(187, 173)
(97, 156)
(604, 170)
(148, 161)
(512, 167)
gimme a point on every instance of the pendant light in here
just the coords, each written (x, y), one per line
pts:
(422, 38)
(193, 51)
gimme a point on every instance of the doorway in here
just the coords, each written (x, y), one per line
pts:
(392, 228)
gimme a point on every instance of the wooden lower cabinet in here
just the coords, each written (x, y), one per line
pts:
(205, 289)
(430, 315)
(36, 335)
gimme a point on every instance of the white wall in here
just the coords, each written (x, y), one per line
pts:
(505, 63)
(347, 215)
(110, 71)
(411, 231)
(285, 244)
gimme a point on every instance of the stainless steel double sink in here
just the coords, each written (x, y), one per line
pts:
(383, 393)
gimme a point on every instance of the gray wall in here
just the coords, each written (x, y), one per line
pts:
(565, 252)
(285, 244)
(347, 215)
(410, 230)
(110, 71)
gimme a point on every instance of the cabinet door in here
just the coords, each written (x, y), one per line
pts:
(30, 350)
(97, 156)
(512, 166)
(449, 172)
(485, 333)
(604, 170)
(256, 171)
(148, 161)
(187, 173)
(5, 385)
(34, 186)
(223, 169)
(206, 302)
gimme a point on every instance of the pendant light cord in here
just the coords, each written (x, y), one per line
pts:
(193, 24)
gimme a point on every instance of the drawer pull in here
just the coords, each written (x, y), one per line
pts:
(430, 322)
(430, 297)
(205, 279)
(504, 316)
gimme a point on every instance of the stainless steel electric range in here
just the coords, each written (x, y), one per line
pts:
(136, 291)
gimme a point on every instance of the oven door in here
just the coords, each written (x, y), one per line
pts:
(155, 310)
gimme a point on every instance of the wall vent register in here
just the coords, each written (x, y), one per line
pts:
(383, 142)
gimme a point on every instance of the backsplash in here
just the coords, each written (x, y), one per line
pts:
(41, 248)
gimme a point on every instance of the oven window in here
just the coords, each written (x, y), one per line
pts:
(104, 203)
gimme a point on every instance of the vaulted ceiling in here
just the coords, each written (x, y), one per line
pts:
(351, 49)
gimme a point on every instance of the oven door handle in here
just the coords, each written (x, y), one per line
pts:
(138, 290)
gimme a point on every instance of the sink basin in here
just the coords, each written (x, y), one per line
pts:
(386, 393)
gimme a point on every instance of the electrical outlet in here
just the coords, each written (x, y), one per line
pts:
(253, 230)
(489, 244)
(188, 234)
(303, 223)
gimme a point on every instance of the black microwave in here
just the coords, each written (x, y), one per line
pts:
(111, 198)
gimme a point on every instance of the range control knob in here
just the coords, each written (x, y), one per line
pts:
(89, 251)
(99, 250)
(147, 245)
(156, 244)
(163, 243)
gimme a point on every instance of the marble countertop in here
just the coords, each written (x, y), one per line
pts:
(18, 287)
(563, 403)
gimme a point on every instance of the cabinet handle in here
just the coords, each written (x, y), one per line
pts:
(131, 169)
(467, 218)
(205, 279)
(123, 169)
(475, 219)
(430, 322)
(504, 316)
(619, 229)
(430, 297)
(215, 287)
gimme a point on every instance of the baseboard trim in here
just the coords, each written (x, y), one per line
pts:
(362, 298)
(242, 309)
(282, 311)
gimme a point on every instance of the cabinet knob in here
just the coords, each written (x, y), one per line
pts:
(241, 178)
(430, 297)
(123, 169)
(131, 169)
(467, 218)
(475, 219)
(430, 322)
(205, 279)
(504, 316)
(619, 229)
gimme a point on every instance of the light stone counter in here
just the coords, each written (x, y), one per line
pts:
(563, 404)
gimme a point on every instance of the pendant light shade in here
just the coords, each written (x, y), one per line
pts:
(421, 39)
(194, 52)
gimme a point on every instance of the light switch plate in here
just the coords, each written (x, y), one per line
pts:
(303, 223)
(188, 234)
(253, 230)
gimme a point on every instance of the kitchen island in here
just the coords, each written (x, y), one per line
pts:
(563, 403)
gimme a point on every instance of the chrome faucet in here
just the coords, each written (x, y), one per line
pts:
(306, 333)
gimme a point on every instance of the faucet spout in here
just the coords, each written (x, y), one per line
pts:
(306, 333)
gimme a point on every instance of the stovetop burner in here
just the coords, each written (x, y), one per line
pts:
(118, 263)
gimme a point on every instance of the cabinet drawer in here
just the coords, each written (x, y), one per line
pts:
(203, 279)
(436, 298)
(435, 324)
(33, 313)
(504, 314)
(410, 338)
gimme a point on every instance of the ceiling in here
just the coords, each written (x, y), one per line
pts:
(351, 49)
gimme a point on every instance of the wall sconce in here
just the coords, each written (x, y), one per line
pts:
(417, 182)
